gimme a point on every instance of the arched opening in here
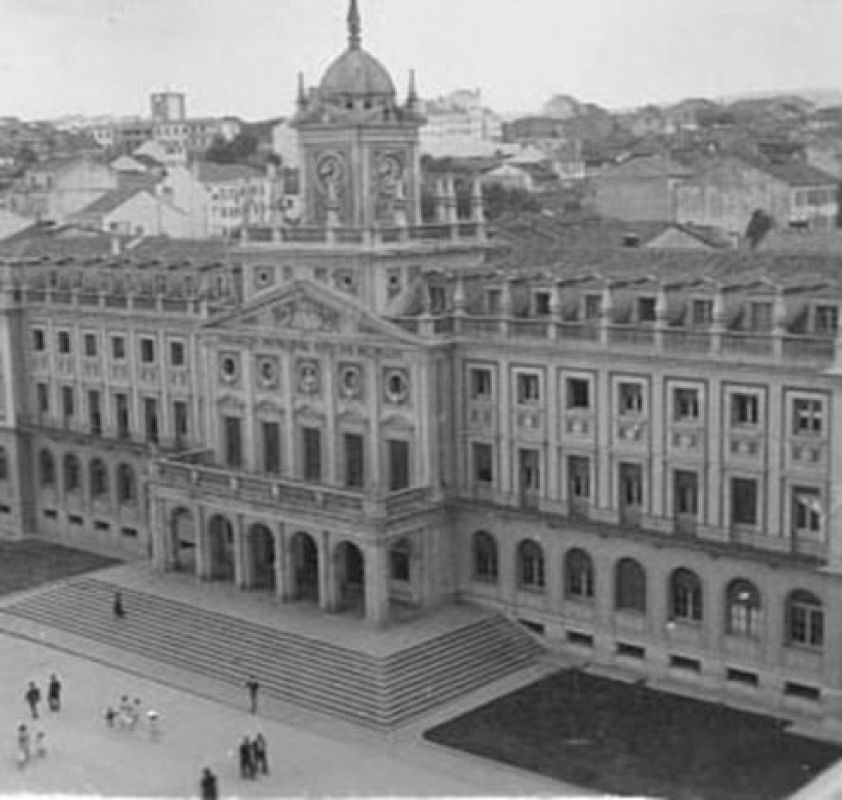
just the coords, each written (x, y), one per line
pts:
(305, 568)
(485, 557)
(261, 548)
(183, 540)
(221, 549)
(350, 576)
(742, 608)
(685, 596)
(630, 586)
(578, 575)
(46, 468)
(72, 473)
(530, 566)
(99, 479)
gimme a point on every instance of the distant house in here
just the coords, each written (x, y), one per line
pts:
(134, 212)
(727, 191)
(639, 189)
(509, 176)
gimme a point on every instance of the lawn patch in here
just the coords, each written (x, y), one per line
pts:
(32, 562)
(627, 739)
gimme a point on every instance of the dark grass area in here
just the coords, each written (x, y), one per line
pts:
(631, 740)
(29, 563)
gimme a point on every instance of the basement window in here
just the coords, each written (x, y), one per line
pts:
(742, 677)
(802, 692)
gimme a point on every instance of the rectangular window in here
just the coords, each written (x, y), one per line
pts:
(118, 348)
(646, 309)
(42, 391)
(631, 398)
(67, 402)
(530, 471)
(177, 354)
(147, 351)
(685, 405)
(90, 345)
(745, 409)
(743, 501)
(121, 403)
(702, 313)
(483, 456)
(311, 441)
(354, 460)
(150, 419)
(826, 319)
(742, 677)
(398, 464)
(593, 306)
(493, 302)
(578, 393)
(271, 436)
(63, 342)
(437, 300)
(542, 303)
(481, 384)
(807, 416)
(94, 412)
(528, 388)
(180, 426)
(686, 485)
(233, 442)
(806, 510)
(578, 480)
(760, 317)
(39, 340)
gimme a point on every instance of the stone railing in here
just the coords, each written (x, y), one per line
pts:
(195, 471)
(725, 345)
(461, 231)
(84, 298)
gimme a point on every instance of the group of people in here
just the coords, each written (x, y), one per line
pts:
(127, 715)
(26, 743)
(253, 757)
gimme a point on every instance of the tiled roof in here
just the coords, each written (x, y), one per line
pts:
(225, 173)
(796, 173)
(110, 201)
(650, 166)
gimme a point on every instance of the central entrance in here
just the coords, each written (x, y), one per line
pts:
(305, 568)
(183, 540)
(350, 577)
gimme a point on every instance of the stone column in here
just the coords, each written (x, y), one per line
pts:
(202, 549)
(241, 566)
(376, 585)
(326, 588)
(283, 578)
(162, 545)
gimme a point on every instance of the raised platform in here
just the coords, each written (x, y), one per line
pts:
(331, 663)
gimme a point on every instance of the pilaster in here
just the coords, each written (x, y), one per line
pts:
(376, 585)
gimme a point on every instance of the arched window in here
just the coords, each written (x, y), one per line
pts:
(485, 557)
(685, 596)
(4, 464)
(71, 473)
(47, 468)
(530, 565)
(99, 478)
(629, 586)
(742, 608)
(804, 619)
(578, 575)
(126, 488)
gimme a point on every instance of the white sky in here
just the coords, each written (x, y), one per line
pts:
(242, 56)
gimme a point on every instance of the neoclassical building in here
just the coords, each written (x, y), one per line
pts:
(636, 454)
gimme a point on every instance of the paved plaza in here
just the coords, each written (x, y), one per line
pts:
(309, 755)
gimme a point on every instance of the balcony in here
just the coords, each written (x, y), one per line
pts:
(195, 472)
(87, 300)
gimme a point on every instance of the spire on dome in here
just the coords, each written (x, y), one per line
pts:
(412, 91)
(354, 27)
(302, 94)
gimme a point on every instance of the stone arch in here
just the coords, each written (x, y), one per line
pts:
(349, 565)
(304, 553)
(182, 539)
(71, 473)
(220, 537)
(262, 555)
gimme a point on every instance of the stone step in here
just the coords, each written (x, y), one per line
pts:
(380, 691)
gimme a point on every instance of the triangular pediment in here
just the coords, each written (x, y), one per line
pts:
(310, 308)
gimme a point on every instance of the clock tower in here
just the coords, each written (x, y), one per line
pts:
(359, 145)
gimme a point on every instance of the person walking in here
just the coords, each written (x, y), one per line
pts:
(54, 693)
(253, 687)
(261, 761)
(33, 697)
(246, 759)
(23, 746)
(208, 789)
(119, 611)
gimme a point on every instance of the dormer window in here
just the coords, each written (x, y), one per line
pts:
(437, 299)
(593, 306)
(702, 313)
(542, 304)
(760, 317)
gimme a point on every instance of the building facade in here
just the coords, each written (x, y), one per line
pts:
(635, 453)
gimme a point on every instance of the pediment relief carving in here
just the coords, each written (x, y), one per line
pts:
(303, 314)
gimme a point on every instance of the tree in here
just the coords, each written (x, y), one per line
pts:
(759, 225)
(238, 150)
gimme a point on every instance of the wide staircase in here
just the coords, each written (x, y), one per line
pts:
(378, 691)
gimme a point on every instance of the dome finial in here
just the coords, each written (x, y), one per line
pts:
(354, 26)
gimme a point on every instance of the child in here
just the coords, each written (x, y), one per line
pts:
(152, 721)
(40, 744)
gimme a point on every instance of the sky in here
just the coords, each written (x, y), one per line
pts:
(242, 57)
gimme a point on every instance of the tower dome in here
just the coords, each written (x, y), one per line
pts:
(356, 73)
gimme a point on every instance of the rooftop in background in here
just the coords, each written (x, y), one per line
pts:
(210, 172)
